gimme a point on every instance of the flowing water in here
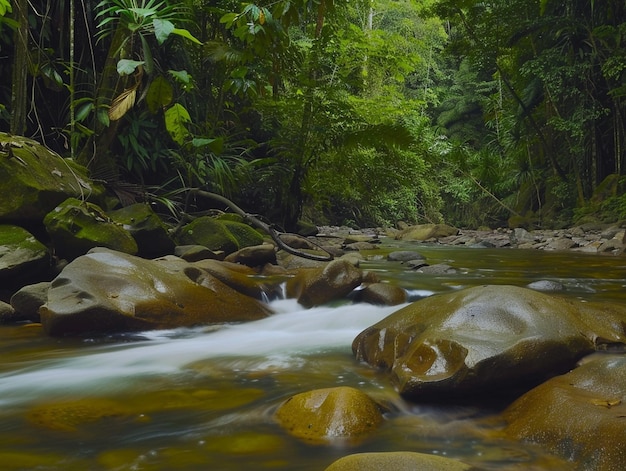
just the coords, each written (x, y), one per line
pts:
(203, 399)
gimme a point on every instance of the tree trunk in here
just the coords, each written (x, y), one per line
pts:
(19, 86)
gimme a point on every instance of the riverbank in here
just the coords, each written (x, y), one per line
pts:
(586, 238)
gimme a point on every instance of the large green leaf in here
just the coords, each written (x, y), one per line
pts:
(162, 29)
(160, 94)
(176, 119)
(186, 34)
(128, 66)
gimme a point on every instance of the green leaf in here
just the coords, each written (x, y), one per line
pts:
(162, 29)
(216, 145)
(176, 118)
(103, 117)
(5, 7)
(128, 66)
(160, 94)
(186, 34)
(84, 111)
(147, 55)
(229, 19)
(181, 76)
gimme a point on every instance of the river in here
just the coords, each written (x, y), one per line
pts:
(203, 398)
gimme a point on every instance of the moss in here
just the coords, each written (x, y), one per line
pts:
(38, 179)
(76, 227)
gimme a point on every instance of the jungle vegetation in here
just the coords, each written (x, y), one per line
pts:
(359, 112)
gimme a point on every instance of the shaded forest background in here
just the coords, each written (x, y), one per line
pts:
(361, 112)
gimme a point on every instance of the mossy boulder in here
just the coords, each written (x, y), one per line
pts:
(146, 227)
(486, 339)
(75, 227)
(398, 461)
(579, 415)
(329, 414)
(219, 235)
(22, 256)
(37, 180)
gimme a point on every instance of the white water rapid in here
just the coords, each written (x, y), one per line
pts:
(279, 340)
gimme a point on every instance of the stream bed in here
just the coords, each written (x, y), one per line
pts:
(204, 398)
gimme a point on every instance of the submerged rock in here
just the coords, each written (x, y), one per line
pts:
(107, 291)
(397, 461)
(486, 338)
(328, 414)
(580, 415)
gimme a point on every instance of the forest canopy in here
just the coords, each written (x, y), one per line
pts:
(361, 112)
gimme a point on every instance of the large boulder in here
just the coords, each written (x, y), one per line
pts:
(146, 227)
(580, 415)
(77, 226)
(422, 232)
(37, 180)
(317, 286)
(329, 414)
(108, 291)
(398, 461)
(486, 338)
(22, 257)
(219, 235)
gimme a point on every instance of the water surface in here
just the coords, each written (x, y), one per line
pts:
(203, 398)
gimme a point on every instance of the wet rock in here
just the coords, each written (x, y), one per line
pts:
(254, 256)
(241, 278)
(397, 461)
(317, 286)
(329, 414)
(37, 180)
(28, 300)
(146, 227)
(219, 235)
(561, 243)
(426, 231)
(359, 246)
(383, 294)
(107, 291)
(76, 226)
(545, 285)
(404, 256)
(521, 236)
(437, 269)
(7, 313)
(22, 257)
(579, 415)
(486, 338)
(193, 253)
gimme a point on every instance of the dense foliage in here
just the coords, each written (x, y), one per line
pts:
(363, 112)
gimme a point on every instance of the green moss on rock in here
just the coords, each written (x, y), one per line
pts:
(37, 180)
(21, 255)
(75, 227)
(227, 236)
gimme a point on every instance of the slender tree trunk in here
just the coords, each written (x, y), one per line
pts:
(19, 86)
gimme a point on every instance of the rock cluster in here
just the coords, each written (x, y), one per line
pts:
(82, 271)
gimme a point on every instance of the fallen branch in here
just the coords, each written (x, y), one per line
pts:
(273, 233)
